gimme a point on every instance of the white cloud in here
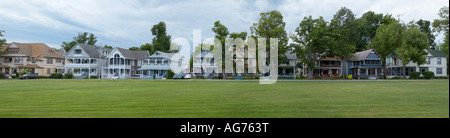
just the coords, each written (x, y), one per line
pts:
(127, 23)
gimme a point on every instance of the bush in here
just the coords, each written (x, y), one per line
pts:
(230, 77)
(170, 74)
(215, 77)
(428, 74)
(93, 77)
(23, 71)
(68, 76)
(441, 77)
(414, 75)
(395, 78)
(43, 77)
(2, 76)
(56, 75)
(257, 77)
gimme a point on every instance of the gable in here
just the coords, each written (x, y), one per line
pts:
(71, 53)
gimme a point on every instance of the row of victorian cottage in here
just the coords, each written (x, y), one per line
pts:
(87, 60)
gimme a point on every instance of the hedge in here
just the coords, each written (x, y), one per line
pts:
(57, 75)
(414, 75)
(68, 76)
(2, 76)
(428, 74)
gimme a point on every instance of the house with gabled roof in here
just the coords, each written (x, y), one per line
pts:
(84, 60)
(158, 64)
(436, 63)
(38, 57)
(365, 64)
(124, 63)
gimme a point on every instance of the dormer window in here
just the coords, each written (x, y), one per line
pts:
(77, 51)
(157, 53)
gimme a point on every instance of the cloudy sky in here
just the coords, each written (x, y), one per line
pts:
(127, 23)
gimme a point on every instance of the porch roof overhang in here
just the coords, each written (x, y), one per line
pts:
(360, 67)
(327, 67)
(4, 66)
(29, 66)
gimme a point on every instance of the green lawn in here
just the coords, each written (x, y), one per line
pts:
(223, 99)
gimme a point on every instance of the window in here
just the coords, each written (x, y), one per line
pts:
(439, 61)
(33, 60)
(438, 70)
(18, 60)
(428, 60)
(48, 71)
(77, 51)
(13, 51)
(49, 60)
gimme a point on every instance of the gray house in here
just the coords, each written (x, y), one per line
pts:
(83, 60)
(123, 63)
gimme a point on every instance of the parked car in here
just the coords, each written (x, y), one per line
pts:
(187, 76)
(178, 76)
(28, 76)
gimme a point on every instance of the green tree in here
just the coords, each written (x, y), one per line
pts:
(313, 37)
(83, 38)
(388, 39)
(271, 25)
(107, 46)
(2, 40)
(412, 49)
(134, 48)
(441, 25)
(425, 27)
(221, 32)
(342, 27)
(161, 41)
(242, 35)
(367, 26)
(147, 46)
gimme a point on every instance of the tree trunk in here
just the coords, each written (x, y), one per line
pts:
(223, 76)
(310, 73)
(404, 71)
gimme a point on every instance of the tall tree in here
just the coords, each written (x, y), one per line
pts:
(412, 49)
(161, 41)
(425, 27)
(83, 38)
(2, 40)
(271, 25)
(388, 38)
(313, 36)
(221, 32)
(367, 26)
(441, 25)
(343, 27)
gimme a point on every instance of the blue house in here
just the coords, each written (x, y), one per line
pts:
(158, 64)
(365, 64)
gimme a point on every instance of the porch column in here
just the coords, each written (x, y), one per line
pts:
(359, 70)
(367, 71)
(376, 74)
(89, 72)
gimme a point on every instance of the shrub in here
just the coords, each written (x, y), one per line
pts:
(43, 77)
(170, 74)
(414, 75)
(23, 71)
(230, 77)
(154, 76)
(93, 77)
(68, 76)
(2, 76)
(256, 77)
(56, 75)
(441, 77)
(428, 74)
(215, 77)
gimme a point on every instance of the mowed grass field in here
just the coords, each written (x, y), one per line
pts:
(222, 99)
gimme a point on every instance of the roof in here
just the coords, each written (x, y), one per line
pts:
(93, 51)
(36, 50)
(436, 53)
(361, 55)
(4, 66)
(290, 55)
(335, 58)
(133, 54)
(159, 54)
(29, 66)
(62, 51)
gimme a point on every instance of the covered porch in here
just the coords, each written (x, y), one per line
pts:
(366, 72)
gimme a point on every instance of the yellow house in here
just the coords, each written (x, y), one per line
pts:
(38, 57)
